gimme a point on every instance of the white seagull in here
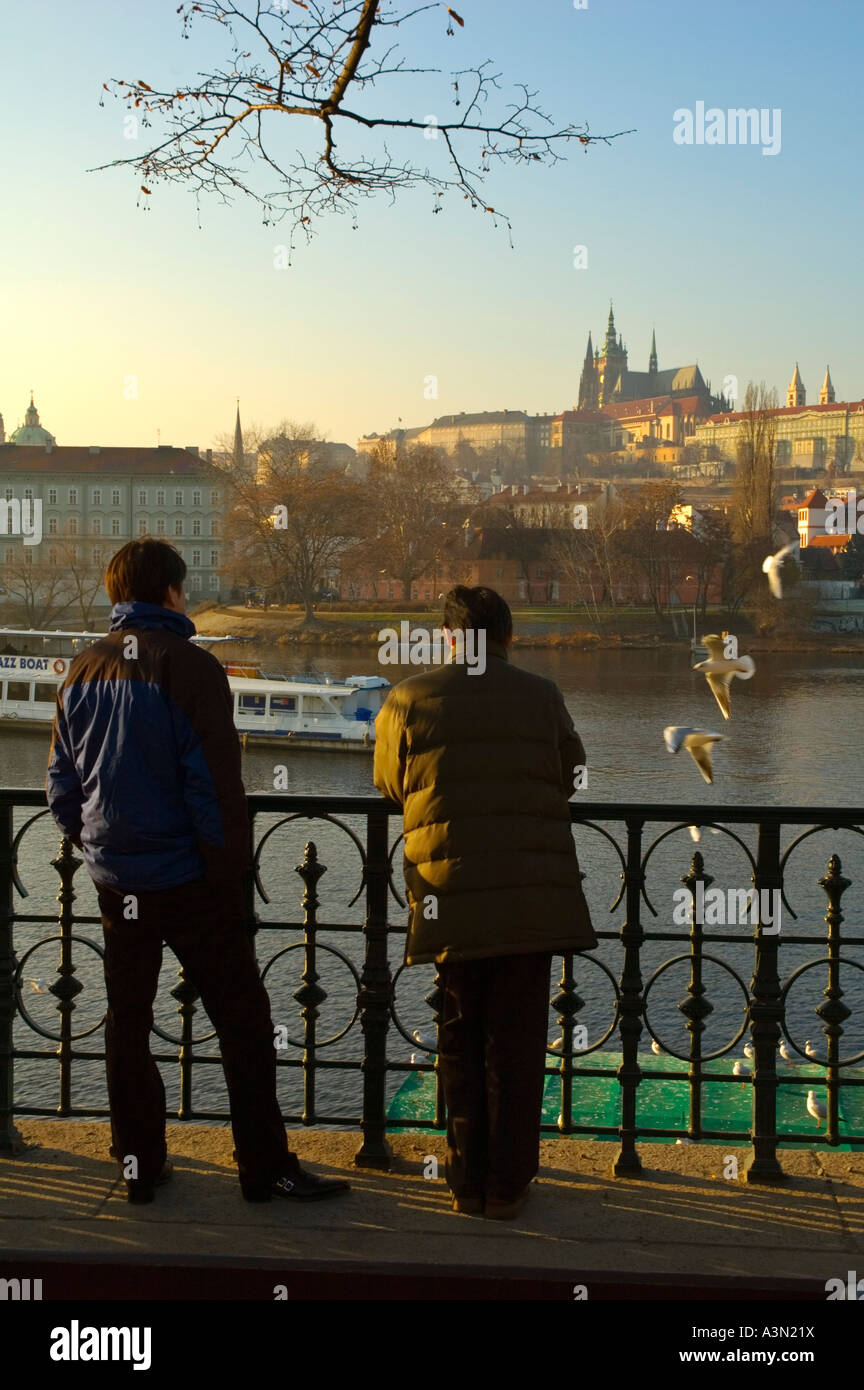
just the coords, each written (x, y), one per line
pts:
(698, 744)
(811, 1051)
(719, 670)
(36, 986)
(739, 1069)
(772, 565)
(656, 1048)
(749, 1050)
(817, 1108)
(784, 1051)
(429, 1044)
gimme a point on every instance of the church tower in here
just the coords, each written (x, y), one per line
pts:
(796, 393)
(652, 359)
(238, 456)
(611, 362)
(826, 395)
(588, 380)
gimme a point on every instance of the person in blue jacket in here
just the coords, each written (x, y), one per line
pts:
(144, 777)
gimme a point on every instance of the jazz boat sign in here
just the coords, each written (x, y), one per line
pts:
(43, 667)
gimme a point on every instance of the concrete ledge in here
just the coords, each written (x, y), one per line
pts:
(681, 1223)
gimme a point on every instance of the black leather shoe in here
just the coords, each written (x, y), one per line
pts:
(140, 1191)
(298, 1186)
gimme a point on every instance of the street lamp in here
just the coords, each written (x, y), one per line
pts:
(691, 579)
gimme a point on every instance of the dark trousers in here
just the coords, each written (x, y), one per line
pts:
(204, 928)
(492, 1056)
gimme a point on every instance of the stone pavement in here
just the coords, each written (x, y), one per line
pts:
(63, 1194)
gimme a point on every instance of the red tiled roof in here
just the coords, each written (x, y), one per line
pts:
(816, 498)
(828, 542)
(28, 458)
(730, 416)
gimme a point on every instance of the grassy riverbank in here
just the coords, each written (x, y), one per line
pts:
(533, 627)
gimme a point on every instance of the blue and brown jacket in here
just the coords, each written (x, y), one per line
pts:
(144, 770)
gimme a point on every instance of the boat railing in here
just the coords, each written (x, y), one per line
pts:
(762, 981)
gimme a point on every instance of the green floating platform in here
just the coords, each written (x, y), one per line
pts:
(664, 1104)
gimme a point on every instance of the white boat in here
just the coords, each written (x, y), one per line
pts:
(307, 712)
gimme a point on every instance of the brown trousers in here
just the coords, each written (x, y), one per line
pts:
(492, 1058)
(204, 928)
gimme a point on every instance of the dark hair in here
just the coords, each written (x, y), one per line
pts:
(144, 570)
(466, 608)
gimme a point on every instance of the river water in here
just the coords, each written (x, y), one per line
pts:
(795, 739)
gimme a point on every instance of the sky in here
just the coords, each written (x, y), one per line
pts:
(743, 262)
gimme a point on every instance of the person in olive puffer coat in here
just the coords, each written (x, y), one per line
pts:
(483, 765)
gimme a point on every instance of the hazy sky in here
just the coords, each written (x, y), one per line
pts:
(745, 262)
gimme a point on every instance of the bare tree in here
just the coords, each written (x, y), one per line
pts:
(755, 481)
(37, 588)
(310, 78)
(84, 578)
(410, 496)
(588, 556)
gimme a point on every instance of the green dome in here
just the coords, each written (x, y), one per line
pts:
(31, 432)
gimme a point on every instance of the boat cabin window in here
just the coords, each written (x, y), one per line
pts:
(282, 702)
(46, 693)
(252, 704)
(18, 690)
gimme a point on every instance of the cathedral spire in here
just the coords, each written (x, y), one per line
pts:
(652, 360)
(826, 395)
(238, 456)
(588, 380)
(796, 393)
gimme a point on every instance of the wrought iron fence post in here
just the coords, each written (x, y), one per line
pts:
(67, 987)
(833, 1012)
(566, 1004)
(10, 1139)
(434, 999)
(310, 994)
(695, 1007)
(375, 997)
(628, 1162)
(766, 1012)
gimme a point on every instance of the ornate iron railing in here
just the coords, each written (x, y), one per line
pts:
(621, 958)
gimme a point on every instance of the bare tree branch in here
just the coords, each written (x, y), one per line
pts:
(305, 67)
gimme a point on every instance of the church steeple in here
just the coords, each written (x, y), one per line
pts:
(826, 395)
(796, 393)
(611, 345)
(652, 360)
(611, 362)
(588, 380)
(238, 457)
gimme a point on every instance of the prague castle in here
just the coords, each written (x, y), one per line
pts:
(607, 379)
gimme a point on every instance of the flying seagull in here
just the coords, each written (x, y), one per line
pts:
(698, 744)
(772, 565)
(696, 832)
(719, 670)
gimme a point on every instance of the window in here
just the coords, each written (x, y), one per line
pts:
(142, 528)
(52, 555)
(282, 702)
(196, 581)
(214, 557)
(178, 497)
(196, 527)
(160, 497)
(214, 497)
(18, 690)
(252, 704)
(142, 497)
(115, 527)
(73, 497)
(196, 497)
(28, 494)
(96, 497)
(97, 556)
(160, 528)
(115, 497)
(52, 526)
(196, 557)
(214, 582)
(52, 495)
(72, 527)
(214, 527)
(8, 494)
(178, 528)
(96, 526)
